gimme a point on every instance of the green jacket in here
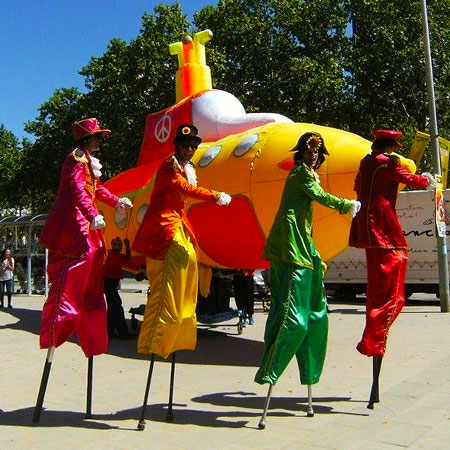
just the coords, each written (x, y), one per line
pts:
(290, 238)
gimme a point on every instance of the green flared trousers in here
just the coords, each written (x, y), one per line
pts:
(297, 323)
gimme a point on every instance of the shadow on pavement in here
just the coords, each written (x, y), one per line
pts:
(27, 320)
(187, 416)
(214, 346)
(250, 400)
(49, 418)
(248, 403)
(154, 413)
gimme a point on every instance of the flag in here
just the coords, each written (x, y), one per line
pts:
(418, 147)
(444, 148)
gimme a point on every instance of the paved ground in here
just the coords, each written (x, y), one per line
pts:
(216, 403)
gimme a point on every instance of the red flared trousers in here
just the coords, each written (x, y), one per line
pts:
(385, 296)
(76, 303)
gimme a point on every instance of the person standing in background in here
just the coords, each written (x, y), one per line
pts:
(6, 276)
(112, 272)
(244, 294)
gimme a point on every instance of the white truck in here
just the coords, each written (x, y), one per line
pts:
(346, 274)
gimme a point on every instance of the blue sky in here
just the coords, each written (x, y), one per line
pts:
(44, 43)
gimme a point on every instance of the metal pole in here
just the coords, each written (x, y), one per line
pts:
(29, 261)
(310, 412)
(441, 241)
(262, 422)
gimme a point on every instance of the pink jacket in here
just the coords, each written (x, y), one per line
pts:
(67, 227)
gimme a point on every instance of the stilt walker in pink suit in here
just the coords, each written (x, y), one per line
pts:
(73, 235)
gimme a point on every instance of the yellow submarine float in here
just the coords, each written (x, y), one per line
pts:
(245, 155)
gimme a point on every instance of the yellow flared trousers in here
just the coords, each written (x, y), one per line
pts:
(170, 323)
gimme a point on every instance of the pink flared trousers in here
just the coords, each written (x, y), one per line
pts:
(75, 302)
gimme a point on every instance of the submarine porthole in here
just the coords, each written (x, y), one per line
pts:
(245, 144)
(141, 213)
(209, 155)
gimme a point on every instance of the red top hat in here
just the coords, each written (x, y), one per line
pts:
(388, 134)
(86, 127)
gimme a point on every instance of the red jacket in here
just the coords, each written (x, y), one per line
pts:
(112, 268)
(376, 186)
(166, 210)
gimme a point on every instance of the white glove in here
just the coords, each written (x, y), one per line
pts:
(224, 199)
(124, 204)
(354, 208)
(431, 180)
(98, 222)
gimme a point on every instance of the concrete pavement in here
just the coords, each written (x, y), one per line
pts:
(216, 403)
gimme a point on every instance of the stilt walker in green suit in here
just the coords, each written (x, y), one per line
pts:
(298, 323)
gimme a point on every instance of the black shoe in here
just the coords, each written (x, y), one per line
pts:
(10, 306)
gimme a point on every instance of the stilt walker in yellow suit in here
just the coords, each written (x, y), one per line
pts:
(167, 240)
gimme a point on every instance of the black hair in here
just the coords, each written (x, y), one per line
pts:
(302, 146)
(378, 145)
(82, 142)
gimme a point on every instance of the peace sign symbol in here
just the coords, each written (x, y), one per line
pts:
(163, 128)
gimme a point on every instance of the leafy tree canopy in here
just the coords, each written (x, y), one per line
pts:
(350, 64)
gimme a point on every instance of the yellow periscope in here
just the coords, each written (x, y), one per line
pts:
(193, 75)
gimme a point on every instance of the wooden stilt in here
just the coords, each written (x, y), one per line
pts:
(88, 414)
(141, 424)
(43, 386)
(375, 390)
(169, 416)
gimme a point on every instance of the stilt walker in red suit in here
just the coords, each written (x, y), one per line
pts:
(376, 229)
(73, 235)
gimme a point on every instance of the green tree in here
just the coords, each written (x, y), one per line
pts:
(131, 80)
(282, 56)
(351, 64)
(387, 67)
(123, 85)
(40, 167)
(10, 157)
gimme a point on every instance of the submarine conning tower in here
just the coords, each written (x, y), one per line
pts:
(193, 75)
